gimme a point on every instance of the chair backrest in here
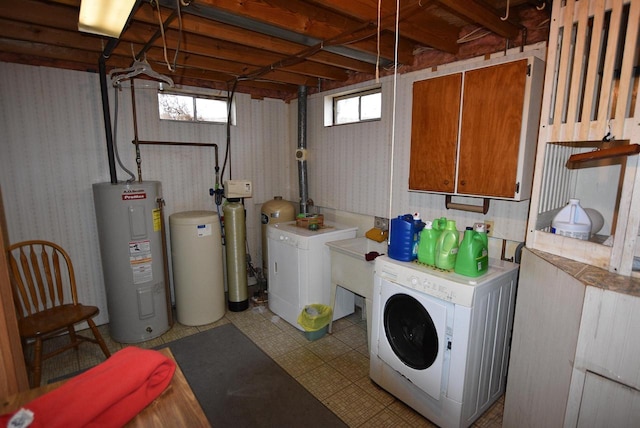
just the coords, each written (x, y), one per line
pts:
(42, 277)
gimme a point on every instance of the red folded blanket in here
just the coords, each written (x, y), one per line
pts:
(107, 395)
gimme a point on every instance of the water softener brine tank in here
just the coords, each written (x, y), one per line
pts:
(198, 279)
(130, 222)
(235, 234)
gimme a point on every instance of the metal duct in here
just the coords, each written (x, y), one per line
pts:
(302, 148)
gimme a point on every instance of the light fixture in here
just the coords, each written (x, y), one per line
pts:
(104, 17)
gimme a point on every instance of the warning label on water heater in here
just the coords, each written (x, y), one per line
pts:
(140, 261)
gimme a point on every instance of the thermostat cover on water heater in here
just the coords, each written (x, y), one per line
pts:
(237, 189)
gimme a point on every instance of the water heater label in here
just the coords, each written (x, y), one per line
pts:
(156, 219)
(140, 261)
(204, 230)
(132, 195)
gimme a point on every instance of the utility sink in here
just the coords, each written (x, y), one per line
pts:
(359, 248)
(352, 270)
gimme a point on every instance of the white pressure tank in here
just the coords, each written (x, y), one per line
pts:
(198, 279)
(129, 218)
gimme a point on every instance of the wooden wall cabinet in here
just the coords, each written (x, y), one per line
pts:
(474, 132)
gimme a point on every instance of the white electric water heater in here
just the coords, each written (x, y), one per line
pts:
(131, 246)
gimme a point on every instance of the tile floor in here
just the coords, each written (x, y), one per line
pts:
(334, 368)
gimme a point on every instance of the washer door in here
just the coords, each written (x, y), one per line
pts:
(410, 331)
(412, 335)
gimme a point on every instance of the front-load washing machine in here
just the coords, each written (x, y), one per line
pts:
(439, 340)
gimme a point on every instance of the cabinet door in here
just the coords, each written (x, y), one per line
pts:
(492, 106)
(607, 403)
(434, 133)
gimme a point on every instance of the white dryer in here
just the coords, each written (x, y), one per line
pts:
(439, 340)
(300, 269)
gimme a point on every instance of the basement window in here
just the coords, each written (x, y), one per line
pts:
(192, 108)
(353, 107)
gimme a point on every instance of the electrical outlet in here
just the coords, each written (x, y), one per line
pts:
(381, 223)
(488, 224)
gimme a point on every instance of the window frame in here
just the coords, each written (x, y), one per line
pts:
(359, 94)
(194, 96)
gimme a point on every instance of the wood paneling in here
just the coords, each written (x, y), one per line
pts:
(491, 128)
(434, 133)
(13, 374)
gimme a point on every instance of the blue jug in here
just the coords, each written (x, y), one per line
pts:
(404, 236)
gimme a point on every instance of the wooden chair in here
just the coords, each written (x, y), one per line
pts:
(46, 300)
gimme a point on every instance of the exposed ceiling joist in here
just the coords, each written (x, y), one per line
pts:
(269, 47)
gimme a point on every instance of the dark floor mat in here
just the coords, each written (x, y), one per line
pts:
(238, 385)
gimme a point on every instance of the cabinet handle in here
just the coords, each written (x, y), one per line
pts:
(463, 182)
(275, 267)
(446, 181)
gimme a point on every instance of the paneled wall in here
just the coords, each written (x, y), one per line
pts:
(350, 165)
(53, 149)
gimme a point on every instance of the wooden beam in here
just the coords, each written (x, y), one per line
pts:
(304, 18)
(229, 33)
(475, 12)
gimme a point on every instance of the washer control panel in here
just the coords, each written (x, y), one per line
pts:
(443, 285)
(432, 287)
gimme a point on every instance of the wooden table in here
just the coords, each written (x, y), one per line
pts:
(176, 406)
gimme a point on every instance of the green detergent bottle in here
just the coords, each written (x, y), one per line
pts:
(447, 246)
(473, 255)
(482, 231)
(439, 224)
(427, 246)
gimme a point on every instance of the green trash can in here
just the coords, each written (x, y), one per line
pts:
(315, 319)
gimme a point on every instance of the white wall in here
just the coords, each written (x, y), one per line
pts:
(53, 149)
(351, 164)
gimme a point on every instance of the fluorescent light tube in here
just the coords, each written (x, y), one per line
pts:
(104, 17)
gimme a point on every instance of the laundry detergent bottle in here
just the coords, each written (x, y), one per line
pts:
(439, 224)
(427, 246)
(481, 228)
(473, 255)
(403, 238)
(447, 246)
(418, 226)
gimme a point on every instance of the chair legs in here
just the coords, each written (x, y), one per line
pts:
(74, 342)
(99, 338)
(72, 337)
(37, 362)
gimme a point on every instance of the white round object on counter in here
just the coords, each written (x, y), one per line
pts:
(597, 220)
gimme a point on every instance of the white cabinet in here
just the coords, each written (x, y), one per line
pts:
(606, 403)
(605, 385)
(543, 346)
(574, 352)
